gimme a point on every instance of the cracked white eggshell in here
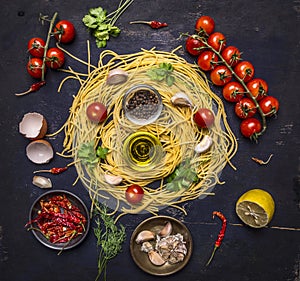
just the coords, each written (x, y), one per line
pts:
(33, 126)
(39, 151)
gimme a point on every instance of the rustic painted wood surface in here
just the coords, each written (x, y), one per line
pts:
(268, 34)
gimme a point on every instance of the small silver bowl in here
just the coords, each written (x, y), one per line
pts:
(142, 104)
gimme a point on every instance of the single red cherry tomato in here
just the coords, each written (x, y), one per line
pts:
(217, 40)
(36, 47)
(192, 46)
(244, 70)
(231, 55)
(245, 108)
(204, 118)
(269, 105)
(64, 31)
(134, 194)
(34, 67)
(258, 88)
(233, 91)
(96, 112)
(55, 58)
(205, 24)
(220, 75)
(207, 60)
(249, 127)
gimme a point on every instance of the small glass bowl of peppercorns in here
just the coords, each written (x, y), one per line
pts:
(142, 104)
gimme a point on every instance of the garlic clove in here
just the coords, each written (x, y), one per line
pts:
(204, 144)
(144, 236)
(181, 99)
(116, 76)
(42, 182)
(33, 126)
(39, 151)
(166, 230)
(112, 179)
(156, 258)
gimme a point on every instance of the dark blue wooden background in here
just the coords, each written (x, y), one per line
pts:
(267, 31)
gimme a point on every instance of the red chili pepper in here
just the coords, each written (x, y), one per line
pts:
(34, 87)
(58, 220)
(54, 171)
(154, 24)
(221, 234)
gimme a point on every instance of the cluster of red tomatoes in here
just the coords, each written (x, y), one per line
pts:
(42, 56)
(227, 69)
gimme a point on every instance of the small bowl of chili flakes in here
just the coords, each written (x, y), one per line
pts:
(59, 220)
(142, 104)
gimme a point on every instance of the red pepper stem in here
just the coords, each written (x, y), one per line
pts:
(212, 255)
(53, 170)
(140, 21)
(33, 88)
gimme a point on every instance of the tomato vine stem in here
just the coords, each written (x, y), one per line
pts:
(241, 81)
(52, 21)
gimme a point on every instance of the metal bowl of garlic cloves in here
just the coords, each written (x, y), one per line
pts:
(161, 245)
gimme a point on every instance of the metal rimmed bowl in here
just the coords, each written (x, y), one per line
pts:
(76, 201)
(142, 104)
(155, 224)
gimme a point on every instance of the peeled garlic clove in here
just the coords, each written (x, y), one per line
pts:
(39, 151)
(181, 99)
(144, 236)
(204, 144)
(156, 258)
(42, 182)
(166, 230)
(33, 126)
(112, 179)
(116, 76)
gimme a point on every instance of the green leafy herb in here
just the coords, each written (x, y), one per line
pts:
(89, 156)
(101, 152)
(101, 25)
(182, 177)
(163, 72)
(110, 238)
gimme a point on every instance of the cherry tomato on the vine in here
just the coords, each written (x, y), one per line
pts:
(244, 70)
(205, 24)
(231, 55)
(192, 45)
(134, 194)
(204, 118)
(250, 126)
(258, 88)
(34, 67)
(220, 75)
(207, 60)
(36, 47)
(245, 108)
(217, 41)
(96, 112)
(269, 105)
(55, 58)
(233, 91)
(64, 31)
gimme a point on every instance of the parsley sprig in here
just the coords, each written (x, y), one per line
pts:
(89, 156)
(164, 72)
(102, 25)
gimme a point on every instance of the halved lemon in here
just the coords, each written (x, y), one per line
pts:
(255, 208)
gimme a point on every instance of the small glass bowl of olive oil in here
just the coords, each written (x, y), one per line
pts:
(142, 150)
